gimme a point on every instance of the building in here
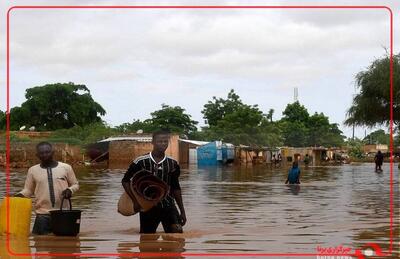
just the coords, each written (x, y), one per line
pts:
(188, 150)
(374, 148)
(120, 151)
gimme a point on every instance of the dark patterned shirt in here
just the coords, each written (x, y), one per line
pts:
(167, 170)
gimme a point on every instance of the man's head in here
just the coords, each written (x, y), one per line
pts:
(160, 140)
(44, 151)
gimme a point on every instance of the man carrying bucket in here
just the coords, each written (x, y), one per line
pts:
(167, 169)
(49, 182)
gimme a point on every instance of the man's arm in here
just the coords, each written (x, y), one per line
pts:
(29, 186)
(73, 184)
(176, 192)
(178, 198)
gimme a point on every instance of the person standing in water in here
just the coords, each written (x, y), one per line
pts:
(168, 170)
(50, 182)
(273, 161)
(306, 160)
(279, 159)
(378, 161)
(294, 174)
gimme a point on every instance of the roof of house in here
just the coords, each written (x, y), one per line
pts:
(195, 142)
(127, 138)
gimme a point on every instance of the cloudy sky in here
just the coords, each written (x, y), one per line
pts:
(133, 60)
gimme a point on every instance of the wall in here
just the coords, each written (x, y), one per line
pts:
(184, 151)
(122, 153)
(243, 156)
(375, 148)
(291, 151)
(24, 154)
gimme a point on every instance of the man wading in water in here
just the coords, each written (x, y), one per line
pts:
(167, 169)
(378, 161)
(49, 182)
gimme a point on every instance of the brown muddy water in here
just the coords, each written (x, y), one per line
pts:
(233, 210)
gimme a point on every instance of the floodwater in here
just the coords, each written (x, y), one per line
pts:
(234, 210)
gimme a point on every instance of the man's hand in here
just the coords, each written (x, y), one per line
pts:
(183, 219)
(19, 195)
(67, 193)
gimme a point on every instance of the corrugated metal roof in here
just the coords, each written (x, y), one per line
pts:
(135, 138)
(195, 142)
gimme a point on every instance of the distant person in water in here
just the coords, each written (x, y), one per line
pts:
(306, 160)
(273, 160)
(378, 161)
(294, 174)
(279, 159)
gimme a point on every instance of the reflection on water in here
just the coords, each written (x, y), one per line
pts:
(234, 210)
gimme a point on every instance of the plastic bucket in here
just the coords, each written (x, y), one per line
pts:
(65, 222)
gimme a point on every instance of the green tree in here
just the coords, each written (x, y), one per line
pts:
(294, 125)
(56, 106)
(216, 109)
(295, 133)
(323, 133)
(377, 137)
(173, 118)
(318, 126)
(134, 126)
(241, 126)
(233, 121)
(270, 114)
(334, 136)
(271, 132)
(301, 129)
(371, 106)
(355, 148)
(295, 112)
(2, 120)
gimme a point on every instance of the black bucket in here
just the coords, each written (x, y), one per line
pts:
(65, 222)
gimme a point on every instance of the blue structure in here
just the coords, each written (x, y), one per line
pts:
(228, 153)
(210, 154)
(215, 153)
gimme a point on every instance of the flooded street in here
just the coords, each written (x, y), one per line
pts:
(235, 210)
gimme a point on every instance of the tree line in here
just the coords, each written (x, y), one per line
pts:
(69, 110)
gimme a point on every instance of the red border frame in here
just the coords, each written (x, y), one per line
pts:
(140, 254)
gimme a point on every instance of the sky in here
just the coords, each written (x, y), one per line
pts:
(134, 60)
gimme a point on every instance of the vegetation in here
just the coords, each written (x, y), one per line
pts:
(55, 106)
(371, 106)
(172, 118)
(70, 112)
(355, 148)
(233, 121)
(83, 135)
(301, 129)
(377, 137)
